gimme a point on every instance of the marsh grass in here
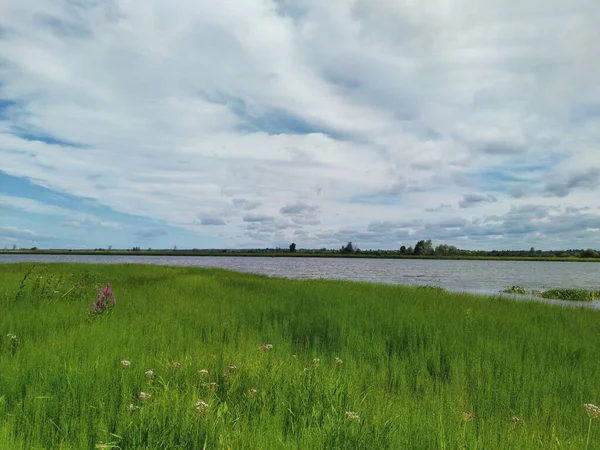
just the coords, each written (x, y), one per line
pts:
(516, 290)
(579, 295)
(414, 360)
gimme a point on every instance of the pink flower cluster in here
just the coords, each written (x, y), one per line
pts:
(106, 300)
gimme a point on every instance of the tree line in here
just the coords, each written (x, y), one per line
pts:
(426, 248)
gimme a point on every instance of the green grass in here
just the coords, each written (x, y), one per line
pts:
(578, 295)
(414, 360)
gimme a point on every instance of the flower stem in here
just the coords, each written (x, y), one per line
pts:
(587, 442)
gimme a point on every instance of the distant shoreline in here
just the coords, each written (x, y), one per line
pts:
(298, 254)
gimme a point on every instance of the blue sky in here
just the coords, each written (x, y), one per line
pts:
(195, 124)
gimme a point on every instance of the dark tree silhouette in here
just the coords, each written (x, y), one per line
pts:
(348, 248)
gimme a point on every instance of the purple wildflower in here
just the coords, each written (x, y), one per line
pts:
(105, 300)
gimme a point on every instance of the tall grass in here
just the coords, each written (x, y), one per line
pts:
(417, 368)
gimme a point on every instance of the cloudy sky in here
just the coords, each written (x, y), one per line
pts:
(256, 123)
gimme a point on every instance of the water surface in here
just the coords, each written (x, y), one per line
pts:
(473, 276)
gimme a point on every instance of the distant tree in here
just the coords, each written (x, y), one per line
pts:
(109, 248)
(403, 250)
(428, 247)
(590, 253)
(292, 247)
(445, 250)
(348, 248)
(33, 249)
(442, 250)
(410, 251)
(424, 248)
(14, 247)
(419, 248)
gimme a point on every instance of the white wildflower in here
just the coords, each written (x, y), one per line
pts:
(592, 410)
(517, 420)
(201, 407)
(352, 416)
(468, 415)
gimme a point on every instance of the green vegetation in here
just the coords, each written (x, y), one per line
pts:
(351, 365)
(324, 253)
(579, 295)
(516, 290)
(422, 250)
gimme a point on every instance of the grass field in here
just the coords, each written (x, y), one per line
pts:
(416, 368)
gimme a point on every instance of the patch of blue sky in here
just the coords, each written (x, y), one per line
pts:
(6, 103)
(283, 122)
(5, 106)
(273, 122)
(528, 168)
(31, 135)
(499, 179)
(512, 173)
(24, 187)
(586, 111)
(290, 8)
(495, 175)
(62, 28)
(373, 199)
(68, 229)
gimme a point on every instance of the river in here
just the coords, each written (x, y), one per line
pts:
(473, 276)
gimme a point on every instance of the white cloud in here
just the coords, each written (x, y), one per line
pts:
(368, 111)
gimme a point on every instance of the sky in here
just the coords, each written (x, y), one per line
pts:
(257, 123)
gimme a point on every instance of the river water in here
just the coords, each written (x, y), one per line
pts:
(479, 277)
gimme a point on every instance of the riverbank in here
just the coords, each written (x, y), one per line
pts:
(352, 365)
(299, 254)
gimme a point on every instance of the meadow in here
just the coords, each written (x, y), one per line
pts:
(204, 358)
